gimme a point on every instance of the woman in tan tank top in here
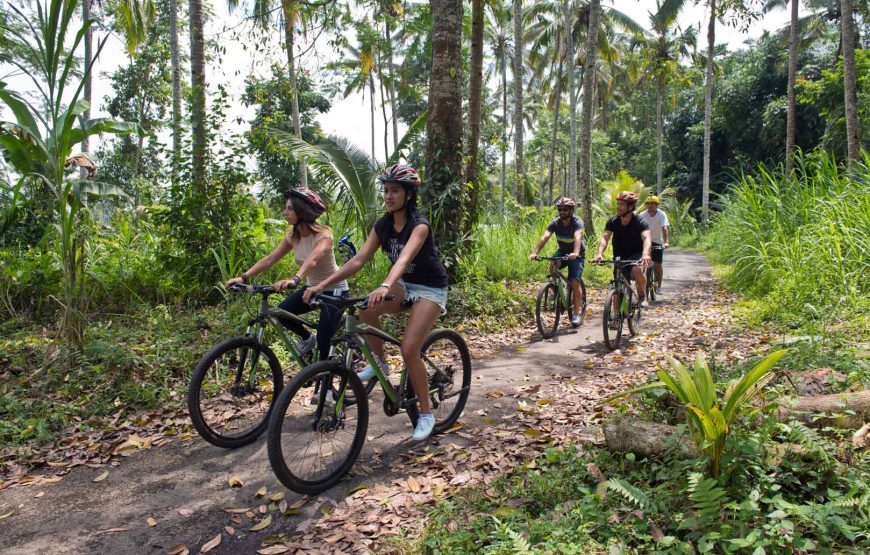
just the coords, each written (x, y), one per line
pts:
(312, 246)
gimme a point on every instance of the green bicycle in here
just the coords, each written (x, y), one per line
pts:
(314, 441)
(555, 297)
(619, 306)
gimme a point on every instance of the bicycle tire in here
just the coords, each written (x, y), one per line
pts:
(294, 416)
(612, 337)
(548, 305)
(213, 427)
(443, 384)
(650, 284)
(634, 315)
(357, 364)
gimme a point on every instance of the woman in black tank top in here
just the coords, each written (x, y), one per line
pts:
(417, 274)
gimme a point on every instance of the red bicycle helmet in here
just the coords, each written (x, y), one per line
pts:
(402, 174)
(312, 200)
(628, 196)
(566, 201)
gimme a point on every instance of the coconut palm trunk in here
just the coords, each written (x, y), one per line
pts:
(391, 85)
(89, 55)
(792, 74)
(504, 121)
(660, 92)
(444, 124)
(586, 134)
(847, 25)
(557, 102)
(288, 8)
(708, 114)
(176, 88)
(519, 172)
(197, 100)
(475, 87)
(572, 99)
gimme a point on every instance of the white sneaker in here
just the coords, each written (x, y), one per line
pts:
(305, 345)
(644, 303)
(425, 424)
(368, 372)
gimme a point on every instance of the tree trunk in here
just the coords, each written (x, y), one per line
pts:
(288, 8)
(557, 103)
(197, 101)
(444, 125)
(89, 54)
(391, 85)
(847, 25)
(384, 111)
(572, 100)
(624, 435)
(586, 135)
(504, 138)
(708, 114)
(176, 88)
(660, 85)
(792, 74)
(475, 87)
(372, 99)
(518, 101)
(807, 408)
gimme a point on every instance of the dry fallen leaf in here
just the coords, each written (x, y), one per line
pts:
(413, 484)
(274, 550)
(211, 544)
(277, 496)
(178, 549)
(185, 512)
(151, 522)
(262, 524)
(7, 515)
(235, 482)
(102, 476)
(261, 492)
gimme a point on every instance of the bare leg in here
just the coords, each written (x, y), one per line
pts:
(639, 280)
(423, 315)
(659, 273)
(575, 287)
(372, 317)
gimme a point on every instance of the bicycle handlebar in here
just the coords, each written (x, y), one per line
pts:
(248, 288)
(345, 302)
(551, 257)
(617, 262)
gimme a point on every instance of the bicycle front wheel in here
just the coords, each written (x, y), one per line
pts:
(448, 366)
(232, 392)
(548, 309)
(612, 320)
(314, 440)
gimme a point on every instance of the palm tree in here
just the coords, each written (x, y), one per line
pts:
(662, 53)
(197, 98)
(849, 88)
(444, 126)
(475, 86)
(518, 100)
(791, 112)
(586, 133)
(708, 113)
(568, 8)
(176, 89)
(496, 30)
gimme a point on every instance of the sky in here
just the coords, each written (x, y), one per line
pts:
(350, 117)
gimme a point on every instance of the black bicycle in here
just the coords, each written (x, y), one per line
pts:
(619, 305)
(556, 297)
(314, 440)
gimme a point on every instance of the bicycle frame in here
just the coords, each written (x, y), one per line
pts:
(557, 277)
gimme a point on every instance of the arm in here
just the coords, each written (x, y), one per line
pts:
(605, 237)
(666, 235)
(540, 245)
(323, 246)
(578, 241)
(646, 259)
(263, 264)
(350, 268)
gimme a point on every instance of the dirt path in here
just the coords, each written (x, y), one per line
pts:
(532, 396)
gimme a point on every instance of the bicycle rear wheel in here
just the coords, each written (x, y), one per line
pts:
(448, 366)
(612, 336)
(312, 444)
(650, 284)
(232, 391)
(548, 309)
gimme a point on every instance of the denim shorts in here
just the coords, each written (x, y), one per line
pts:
(575, 267)
(415, 291)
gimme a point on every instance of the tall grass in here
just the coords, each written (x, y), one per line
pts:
(799, 243)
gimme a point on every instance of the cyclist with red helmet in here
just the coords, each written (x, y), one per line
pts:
(311, 244)
(417, 277)
(568, 229)
(631, 241)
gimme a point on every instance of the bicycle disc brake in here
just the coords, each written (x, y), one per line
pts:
(390, 408)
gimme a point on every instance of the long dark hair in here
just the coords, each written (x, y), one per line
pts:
(304, 215)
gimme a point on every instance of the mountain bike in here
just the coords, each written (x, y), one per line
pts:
(621, 296)
(651, 286)
(314, 441)
(555, 297)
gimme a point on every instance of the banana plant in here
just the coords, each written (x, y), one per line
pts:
(38, 144)
(709, 420)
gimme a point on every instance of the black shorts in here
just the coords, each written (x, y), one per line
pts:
(657, 253)
(626, 270)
